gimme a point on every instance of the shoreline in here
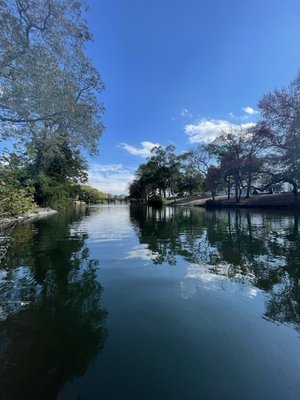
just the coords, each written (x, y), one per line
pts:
(283, 201)
(36, 213)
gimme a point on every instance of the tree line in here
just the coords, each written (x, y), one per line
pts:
(50, 116)
(239, 161)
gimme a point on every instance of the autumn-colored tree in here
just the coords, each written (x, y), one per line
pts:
(280, 110)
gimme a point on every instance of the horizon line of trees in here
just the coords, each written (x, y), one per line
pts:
(239, 161)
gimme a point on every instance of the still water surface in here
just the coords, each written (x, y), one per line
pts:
(117, 303)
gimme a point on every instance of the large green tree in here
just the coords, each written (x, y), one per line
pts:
(48, 87)
(163, 172)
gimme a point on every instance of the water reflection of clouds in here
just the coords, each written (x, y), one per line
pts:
(17, 288)
(103, 225)
(273, 222)
(271, 261)
(141, 252)
(201, 276)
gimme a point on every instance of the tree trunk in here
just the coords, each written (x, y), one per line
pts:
(236, 192)
(248, 185)
(295, 188)
(228, 189)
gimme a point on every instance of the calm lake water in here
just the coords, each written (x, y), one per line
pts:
(117, 303)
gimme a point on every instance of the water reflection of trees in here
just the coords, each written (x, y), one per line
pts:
(260, 248)
(52, 321)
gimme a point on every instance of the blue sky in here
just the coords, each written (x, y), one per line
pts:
(177, 72)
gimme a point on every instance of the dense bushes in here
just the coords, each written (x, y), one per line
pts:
(88, 194)
(155, 201)
(15, 201)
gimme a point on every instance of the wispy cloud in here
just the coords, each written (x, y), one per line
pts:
(250, 110)
(206, 130)
(186, 113)
(143, 151)
(239, 118)
(249, 113)
(110, 178)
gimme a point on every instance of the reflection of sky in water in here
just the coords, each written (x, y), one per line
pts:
(187, 291)
(271, 261)
(201, 277)
(272, 222)
(109, 225)
(112, 226)
(195, 243)
(17, 288)
(104, 225)
(141, 252)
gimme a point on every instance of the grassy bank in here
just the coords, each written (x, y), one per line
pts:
(283, 201)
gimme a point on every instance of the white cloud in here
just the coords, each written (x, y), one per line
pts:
(110, 178)
(144, 151)
(206, 130)
(250, 110)
(186, 113)
(247, 125)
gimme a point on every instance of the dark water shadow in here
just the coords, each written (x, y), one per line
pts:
(52, 322)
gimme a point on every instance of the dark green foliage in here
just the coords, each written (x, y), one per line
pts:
(88, 194)
(54, 172)
(15, 201)
(16, 188)
(156, 201)
(164, 174)
(49, 99)
(53, 193)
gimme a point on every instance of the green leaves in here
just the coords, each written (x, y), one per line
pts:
(49, 106)
(165, 172)
(89, 194)
(15, 201)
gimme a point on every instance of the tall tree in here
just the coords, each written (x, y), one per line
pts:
(48, 87)
(239, 153)
(228, 150)
(280, 111)
(163, 172)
